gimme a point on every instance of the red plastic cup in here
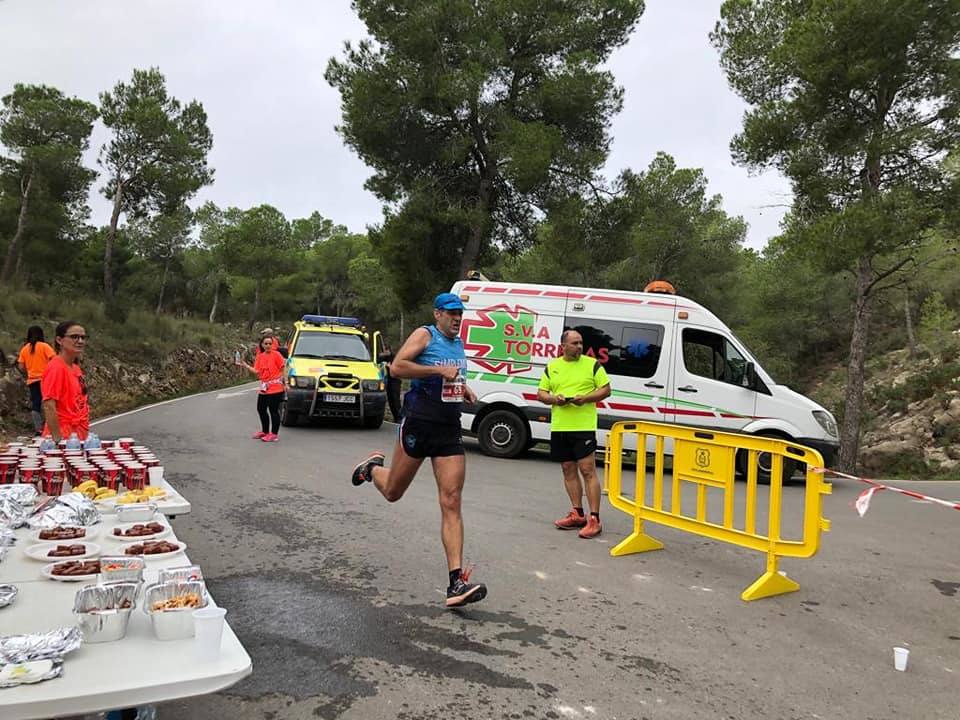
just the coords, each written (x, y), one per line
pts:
(8, 471)
(136, 477)
(126, 442)
(53, 481)
(110, 476)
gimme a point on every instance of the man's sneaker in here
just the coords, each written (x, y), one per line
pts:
(258, 435)
(592, 529)
(363, 472)
(271, 437)
(464, 593)
(572, 521)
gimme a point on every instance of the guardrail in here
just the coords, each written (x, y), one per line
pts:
(709, 460)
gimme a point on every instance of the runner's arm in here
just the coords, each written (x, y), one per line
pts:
(53, 422)
(601, 393)
(404, 365)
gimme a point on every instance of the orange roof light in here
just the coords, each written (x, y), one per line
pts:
(660, 286)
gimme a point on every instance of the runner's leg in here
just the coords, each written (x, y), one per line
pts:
(571, 480)
(450, 472)
(588, 469)
(273, 404)
(262, 412)
(393, 481)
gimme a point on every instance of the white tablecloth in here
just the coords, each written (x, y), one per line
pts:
(133, 671)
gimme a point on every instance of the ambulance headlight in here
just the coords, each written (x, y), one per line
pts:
(372, 385)
(827, 422)
(304, 381)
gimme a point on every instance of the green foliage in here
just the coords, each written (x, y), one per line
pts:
(479, 113)
(938, 326)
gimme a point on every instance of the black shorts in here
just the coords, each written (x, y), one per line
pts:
(36, 397)
(422, 439)
(572, 445)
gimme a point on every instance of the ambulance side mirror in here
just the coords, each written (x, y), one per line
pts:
(750, 376)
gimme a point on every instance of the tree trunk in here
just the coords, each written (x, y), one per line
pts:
(471, 251)
(853, 398)
(911, 338)
(256, 307)
(216, 299)
(14, 250)
(108, 244)
(163, 285)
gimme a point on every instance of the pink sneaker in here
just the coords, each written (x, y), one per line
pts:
(259, 435)
(270, 437)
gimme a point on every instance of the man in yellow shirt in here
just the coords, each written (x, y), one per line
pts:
(573, 384)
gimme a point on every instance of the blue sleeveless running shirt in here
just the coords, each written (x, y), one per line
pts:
(433, 398)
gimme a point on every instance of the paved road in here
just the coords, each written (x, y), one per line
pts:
(338, 595)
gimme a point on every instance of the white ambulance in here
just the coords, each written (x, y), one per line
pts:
(669, 360)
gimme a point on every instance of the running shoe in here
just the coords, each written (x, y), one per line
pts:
(592, 528)
(271, 437)
(463, 593)
(363, 472)
(572, 521)
(258, 435)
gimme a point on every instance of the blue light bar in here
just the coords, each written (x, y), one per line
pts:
(330, 320)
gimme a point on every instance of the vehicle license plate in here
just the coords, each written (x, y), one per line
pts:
(339, 398)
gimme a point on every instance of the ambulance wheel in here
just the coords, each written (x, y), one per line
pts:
(764, 464)
(287, 418)
(372, 422)
(503, 434)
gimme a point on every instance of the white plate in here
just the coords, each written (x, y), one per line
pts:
(92, 532)
(40, 550)
(126, 526)
(25, 673)
(157, 556)
(48, 573)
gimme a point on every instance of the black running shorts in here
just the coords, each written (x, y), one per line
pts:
(572, 445)
(422, 438)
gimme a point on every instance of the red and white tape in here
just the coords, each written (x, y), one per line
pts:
(862, 503)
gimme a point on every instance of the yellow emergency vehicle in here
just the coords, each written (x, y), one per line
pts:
(331, 372)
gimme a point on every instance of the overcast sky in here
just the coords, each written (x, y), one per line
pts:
(257, 67)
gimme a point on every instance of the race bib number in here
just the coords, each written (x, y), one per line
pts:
(452, 390)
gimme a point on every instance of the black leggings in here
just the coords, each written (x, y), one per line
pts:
(269, 402)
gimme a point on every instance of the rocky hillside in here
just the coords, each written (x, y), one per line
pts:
(117, 384)
(912, 415)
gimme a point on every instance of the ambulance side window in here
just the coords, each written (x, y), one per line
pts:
(640, 350)
(631, 350)
(713, 356)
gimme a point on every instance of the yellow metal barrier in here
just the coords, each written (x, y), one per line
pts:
(707, 459)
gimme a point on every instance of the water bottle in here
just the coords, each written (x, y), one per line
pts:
(92, 442)
(47, 444)
(236, 358)
(73, 442)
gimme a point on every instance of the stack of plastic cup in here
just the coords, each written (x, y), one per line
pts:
(8, 469)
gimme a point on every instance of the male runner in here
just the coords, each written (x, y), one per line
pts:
(433, 358)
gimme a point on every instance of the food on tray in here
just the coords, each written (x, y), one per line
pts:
(63, 533)
(68, 550)
(111, 565)
(76, 567)
(152, 547)
(104, 493)
(145, 495)
(123, 605)
(140, 530)
(88, 488)
(178, 602)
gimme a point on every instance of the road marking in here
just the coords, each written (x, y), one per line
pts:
(583, 564)
(154, 405)
(221, 396)
(642, 577)
(704, 589)
(540, 575)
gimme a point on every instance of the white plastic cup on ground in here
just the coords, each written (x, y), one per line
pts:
(155, 476)
(208, 632)
(900, 656)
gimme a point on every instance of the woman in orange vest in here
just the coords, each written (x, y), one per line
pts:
(63, 387)
(34, 357)
(268, 366)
